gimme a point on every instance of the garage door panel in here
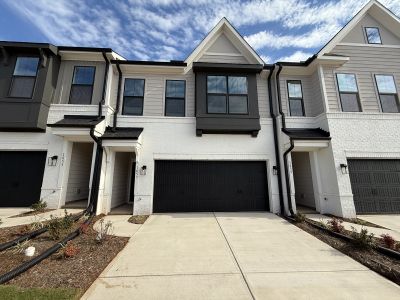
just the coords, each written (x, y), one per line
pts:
(375, 185)
(21, 177)
(210, 186)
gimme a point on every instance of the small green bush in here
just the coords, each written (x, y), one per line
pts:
(362, 239)
(299, 217)
(60, 226)
(39, 206)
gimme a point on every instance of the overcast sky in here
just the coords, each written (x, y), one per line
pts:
(279, 30)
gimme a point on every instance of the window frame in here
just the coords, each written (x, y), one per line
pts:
(77, 84)
(227, 94)
(23, 76)
(142, 97)
(395, 94)
(366, 35)
(296, 98)
(166, 98)
(356, 93)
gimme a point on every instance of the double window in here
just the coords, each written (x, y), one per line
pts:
(295, 95)
(348, 91)
(387, 93)
(24, 77)
(133, 97)
(175, 98)
(373, 35)
(227, 95)
(82, 85)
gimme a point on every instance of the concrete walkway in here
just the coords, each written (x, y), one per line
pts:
(233, 256)
(7, 213)
(347, 225)
(391, 222)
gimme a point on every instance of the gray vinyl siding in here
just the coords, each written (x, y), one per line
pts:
(65, 80)
(312, 96)
(365, 62)
(154, 92)
(263, 102)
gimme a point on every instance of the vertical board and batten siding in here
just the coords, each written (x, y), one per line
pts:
(312, 96)
(65, 80)
(79, 172)
(364, 62)
(154, 92)
(122, 167)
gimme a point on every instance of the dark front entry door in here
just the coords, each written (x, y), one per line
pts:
(197, 186)
(21, 176)
(132, 189)
(376, 185)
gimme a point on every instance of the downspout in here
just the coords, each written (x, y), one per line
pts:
(118, 97)
(277, 158)
(285, 159)
(96, 172)
(103, 98)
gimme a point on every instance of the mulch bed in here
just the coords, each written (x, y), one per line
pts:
(384, 265)
(31, 213)
(56, 271)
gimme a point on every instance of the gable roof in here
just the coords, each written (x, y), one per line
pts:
(376, 10)
(224, 26)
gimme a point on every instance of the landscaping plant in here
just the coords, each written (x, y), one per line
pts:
(103, 231)
(39, 206)
(60, 226)
(336, 225)
(70, 250)
(388, 241)
(299, 217)
(362, 239)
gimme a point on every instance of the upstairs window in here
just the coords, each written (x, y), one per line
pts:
(227, 95)
(82, 85)
(387, 93)
(175, 98)
(295, 93)
(373, 35)
(24, 77)
(133, 97)
(348, 91)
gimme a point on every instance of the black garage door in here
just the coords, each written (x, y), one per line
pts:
(21, 175)
(376, 185)
(197, 186)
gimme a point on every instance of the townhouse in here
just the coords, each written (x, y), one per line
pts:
(220, 131)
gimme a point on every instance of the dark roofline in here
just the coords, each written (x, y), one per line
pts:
(84, 49)
(173, 63)
(305, 63)
(269, 67)
(15, 44)
(226, 67)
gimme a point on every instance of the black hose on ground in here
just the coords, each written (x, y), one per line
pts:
(29, 264)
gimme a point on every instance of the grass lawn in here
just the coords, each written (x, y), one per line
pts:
(11, 292)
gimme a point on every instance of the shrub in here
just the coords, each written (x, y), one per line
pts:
(103, 231)
(299, 217)
(336, 225)
(388, 241)
(138, 219)
(39, 206)
(70, 250)
(1, 221)
(59, 226)
(362, 239)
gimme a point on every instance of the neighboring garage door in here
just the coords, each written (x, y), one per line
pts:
(201, 186)
(376, 185)
(21, 175)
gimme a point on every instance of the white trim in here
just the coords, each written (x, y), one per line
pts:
(322, 86)
(309, 145)
(224, 54)
(371, 155)
(369, 45)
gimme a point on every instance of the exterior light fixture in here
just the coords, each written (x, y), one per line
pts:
(52, 160)
(143, 170)
(343, 167)
(275, 170)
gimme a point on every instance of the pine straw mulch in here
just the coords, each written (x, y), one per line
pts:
(78, 272)
(382, 264)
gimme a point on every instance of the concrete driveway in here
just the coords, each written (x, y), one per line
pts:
(233, 256)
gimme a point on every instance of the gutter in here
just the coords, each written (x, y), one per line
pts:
(118, 96)
(275, 130)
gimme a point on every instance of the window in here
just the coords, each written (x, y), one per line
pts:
(227, 95)
(24, 77)
(133, 97)
(82, 85)
(387, 93)
(295, 93)
(373, 35)
(175, 98)
(348, 92)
